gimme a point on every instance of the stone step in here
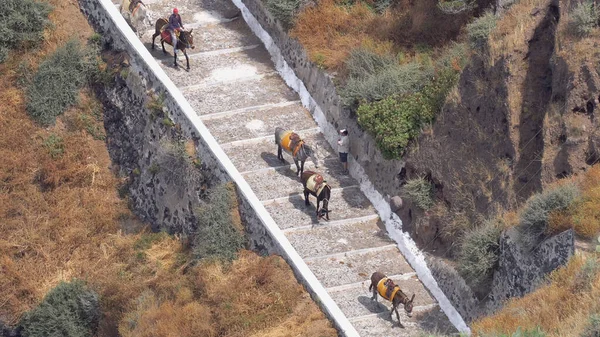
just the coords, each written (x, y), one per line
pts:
(344, 204)
(269, 89)
(210, 37)
(355, 299)
(211, 69)
(258, 123)
(424, 321)
(283, 183)
(353, 267)
(260, 153)
(202, 12)
(338, 238)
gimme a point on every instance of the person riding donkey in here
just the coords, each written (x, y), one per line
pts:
(174, 27)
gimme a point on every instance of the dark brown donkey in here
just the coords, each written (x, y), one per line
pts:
(185, 40)
(314, 184)
(391, 292)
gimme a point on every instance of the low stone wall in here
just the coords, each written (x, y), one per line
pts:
(137, 142)
(382, 173)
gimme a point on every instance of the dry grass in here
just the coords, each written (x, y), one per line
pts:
(584, 215)
(559, 308)
(329, 32)
(511, 31)
(60, 218)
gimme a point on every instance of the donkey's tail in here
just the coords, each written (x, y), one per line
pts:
(371, 286)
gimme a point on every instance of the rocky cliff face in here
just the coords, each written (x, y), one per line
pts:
(148, 150)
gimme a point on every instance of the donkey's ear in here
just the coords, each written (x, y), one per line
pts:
(191, 30)
(412, 298)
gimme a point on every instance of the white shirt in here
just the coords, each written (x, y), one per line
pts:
(344, 144)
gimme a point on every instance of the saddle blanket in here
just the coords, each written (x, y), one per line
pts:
(290, 141)
(382, 289)
(166, 35)
(315, 183)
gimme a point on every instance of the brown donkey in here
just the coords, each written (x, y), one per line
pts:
(387, 289)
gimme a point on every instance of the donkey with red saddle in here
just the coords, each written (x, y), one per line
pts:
(384, 286)
(292, 144)
(186, 40)
(314, 184)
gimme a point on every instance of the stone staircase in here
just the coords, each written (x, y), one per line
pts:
(235, 89)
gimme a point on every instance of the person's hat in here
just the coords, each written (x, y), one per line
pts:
(343, 130)
(175, 11)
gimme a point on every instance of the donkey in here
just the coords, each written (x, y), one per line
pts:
(135, 13)
(185, 40)
(314, 184)
(391, 292)
(292, 144)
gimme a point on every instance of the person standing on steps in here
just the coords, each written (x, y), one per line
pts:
(343, 148)
(175, 25)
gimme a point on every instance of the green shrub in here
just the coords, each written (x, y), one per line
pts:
(284, 11)
(456, 6)
(22, 24)
(363, 63)
(217, 237)
(378, 81)
(586, 276)
(584, 18)
(480, 29)
(533, 220)
(68, 310)
(420, 191)
(593, 327)
(54, 145)
(478, 252)
(55, 86)
(395, 121)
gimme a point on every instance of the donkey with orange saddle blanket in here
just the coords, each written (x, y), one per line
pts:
(314, 184)
(292, 144)
(391, 292)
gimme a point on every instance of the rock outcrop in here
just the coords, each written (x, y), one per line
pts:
(521, 271)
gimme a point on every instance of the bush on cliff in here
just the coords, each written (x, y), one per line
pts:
(584, 18)
(533, 221)
(480, 29)
(219, 235)
(22, 24)
(478, 254)
(284, 11)
(57, 82)
(68, 310)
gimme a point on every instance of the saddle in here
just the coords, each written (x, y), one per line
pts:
(165, 34)
(315, 183)
(387, 288)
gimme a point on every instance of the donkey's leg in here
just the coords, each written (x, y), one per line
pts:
(175, 59)
(154, 38)
(301, 167)
(306, 203)
(279, 153)
(162, 43)
(374, 297)
(395, 308)
(297, 166)
(318, 202)
(187, 59)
